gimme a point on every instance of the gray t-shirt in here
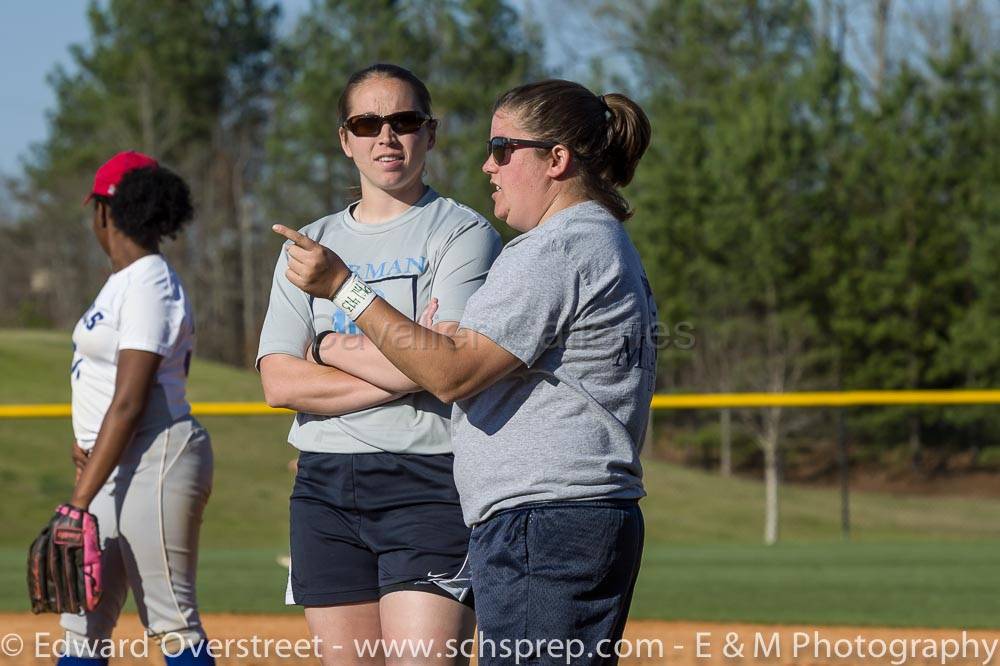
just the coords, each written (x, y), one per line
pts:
(438, 248)
(571, 300)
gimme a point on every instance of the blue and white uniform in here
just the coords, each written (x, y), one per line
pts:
(149, 511)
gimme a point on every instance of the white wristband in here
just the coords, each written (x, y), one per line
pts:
(354, 297)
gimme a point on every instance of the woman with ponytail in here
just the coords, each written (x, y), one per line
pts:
(551, 371)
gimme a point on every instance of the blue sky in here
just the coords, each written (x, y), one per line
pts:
(35, 36)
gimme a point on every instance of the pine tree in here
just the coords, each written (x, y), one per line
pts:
(183, 83)
(310, 176)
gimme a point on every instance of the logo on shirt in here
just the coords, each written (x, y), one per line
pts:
(639, 349)
(90, 318)
(399, 266)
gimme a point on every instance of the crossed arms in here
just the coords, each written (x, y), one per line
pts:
(453, 366)
(359, 376)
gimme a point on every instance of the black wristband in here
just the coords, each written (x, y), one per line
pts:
(316, 343)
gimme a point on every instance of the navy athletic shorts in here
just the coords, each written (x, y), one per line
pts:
(364, 525)
(556, 571)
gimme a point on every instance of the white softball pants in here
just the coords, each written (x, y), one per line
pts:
(149, 515)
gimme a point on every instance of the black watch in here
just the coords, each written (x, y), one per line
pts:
(316, 343)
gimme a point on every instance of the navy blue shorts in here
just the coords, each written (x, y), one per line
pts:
(552, 572)
(365, 525)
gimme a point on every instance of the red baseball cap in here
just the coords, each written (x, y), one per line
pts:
(110, 174)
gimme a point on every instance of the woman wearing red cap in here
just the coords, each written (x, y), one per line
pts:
(144, 465)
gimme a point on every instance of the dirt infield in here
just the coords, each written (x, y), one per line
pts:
(651, 642)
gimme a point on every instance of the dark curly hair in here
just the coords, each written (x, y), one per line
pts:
(149, 204)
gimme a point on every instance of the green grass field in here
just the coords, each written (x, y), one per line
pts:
(914, 561)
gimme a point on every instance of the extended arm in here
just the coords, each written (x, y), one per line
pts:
(450, 368)
(357, 355)
(136, 372)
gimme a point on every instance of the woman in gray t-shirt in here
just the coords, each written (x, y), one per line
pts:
(378, 544)
(551, 372)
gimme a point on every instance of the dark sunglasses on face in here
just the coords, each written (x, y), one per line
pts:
(404, 122)
(500, 147)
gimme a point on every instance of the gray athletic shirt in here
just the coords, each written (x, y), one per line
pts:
(571, 300)
(438, 248)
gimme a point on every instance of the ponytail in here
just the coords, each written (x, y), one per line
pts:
(628, 137)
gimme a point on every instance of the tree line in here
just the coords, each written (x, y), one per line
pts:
(821, 215)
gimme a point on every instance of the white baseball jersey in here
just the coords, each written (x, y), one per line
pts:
(143, 306)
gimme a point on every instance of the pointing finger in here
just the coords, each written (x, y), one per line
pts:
(301, 240)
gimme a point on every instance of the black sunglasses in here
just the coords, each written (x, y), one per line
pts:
(404, 122)
(500, 147)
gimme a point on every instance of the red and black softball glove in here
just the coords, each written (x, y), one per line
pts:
(64, 564)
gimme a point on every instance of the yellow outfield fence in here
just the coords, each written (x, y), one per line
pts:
(58, 410)
(660, 401)
(825, 399)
